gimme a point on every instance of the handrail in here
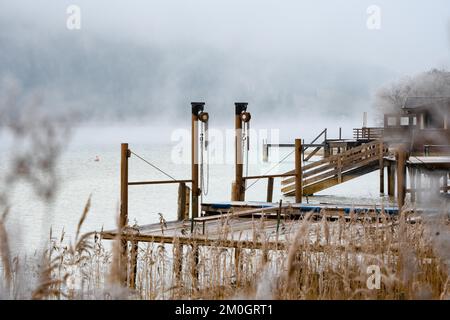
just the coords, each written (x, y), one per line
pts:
(369, 133)
(337, 165)
(281, 175)
(315, 139)
(137, 183)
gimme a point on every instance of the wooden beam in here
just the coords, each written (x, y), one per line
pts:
(137, 183)
(281, 175)
(225, 243)
(240, 213)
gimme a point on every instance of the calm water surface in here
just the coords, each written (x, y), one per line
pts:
(81, 176)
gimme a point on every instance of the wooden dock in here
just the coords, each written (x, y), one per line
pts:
(252, 225)
(240, 224)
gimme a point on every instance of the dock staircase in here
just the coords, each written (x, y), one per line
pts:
(338, 168)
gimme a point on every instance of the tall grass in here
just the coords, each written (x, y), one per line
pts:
(322, 260)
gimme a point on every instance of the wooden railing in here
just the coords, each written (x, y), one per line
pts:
(368, 133)
(335, 166)
(316, 148)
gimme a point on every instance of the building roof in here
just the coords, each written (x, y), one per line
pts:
(420, 102)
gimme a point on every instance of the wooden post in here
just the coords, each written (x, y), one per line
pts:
(298, 171)
(183, 195)
(326, 150)
(194, 265)
(269, 189)
(239, 194)
(197, 107)
(419, 191)
(178, 261)
(123, 219)
(339, 168)
(133, 263)
(125, 154)
(445, 182)
(238, 155)
(237, 263)
(381, 168)
(401, 176)
(412, 179)
(391, 179)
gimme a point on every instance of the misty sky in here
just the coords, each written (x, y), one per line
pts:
(311, 57)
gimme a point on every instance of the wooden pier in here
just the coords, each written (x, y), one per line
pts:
(240, 224)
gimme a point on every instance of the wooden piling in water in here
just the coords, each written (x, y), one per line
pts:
(237, 264)
(413, 186)
(381, 168)
(391, 179)
(178, 260)
(401, 175)
(419, 191)
(183, 202)
(133, 263)
(269, 189)
(298, 171)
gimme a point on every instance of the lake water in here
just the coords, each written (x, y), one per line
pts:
(80, 176)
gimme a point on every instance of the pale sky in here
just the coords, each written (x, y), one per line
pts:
(312, 50)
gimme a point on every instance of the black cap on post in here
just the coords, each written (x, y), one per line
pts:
(197, 107)
(240, 107)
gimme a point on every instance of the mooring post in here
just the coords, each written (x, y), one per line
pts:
(419, 190)
(401, 175)
(123, 219)
(298, 171)
(197, 107)
(269, 189)
(391, 179)
(240, 116)
(381, 168)
(183, 198)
